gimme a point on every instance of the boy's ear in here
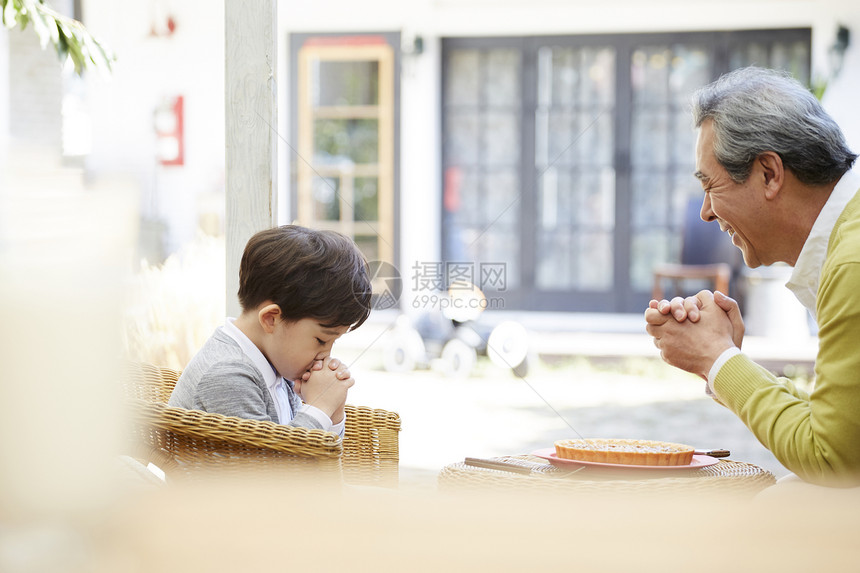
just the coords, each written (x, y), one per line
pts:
(269, 315)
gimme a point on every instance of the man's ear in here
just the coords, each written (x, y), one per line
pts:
(772, 173)
(269, 315)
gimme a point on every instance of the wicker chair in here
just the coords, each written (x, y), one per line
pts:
(188, 443)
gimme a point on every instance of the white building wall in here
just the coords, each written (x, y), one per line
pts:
(190, 63)
(843, 94)
(35, 93)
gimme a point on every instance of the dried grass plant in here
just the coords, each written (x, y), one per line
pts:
(174, 307)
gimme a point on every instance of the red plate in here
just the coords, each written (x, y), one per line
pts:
(549, 454)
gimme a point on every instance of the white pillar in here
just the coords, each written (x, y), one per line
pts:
(251, 123)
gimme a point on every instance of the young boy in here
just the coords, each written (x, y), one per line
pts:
(299, 290)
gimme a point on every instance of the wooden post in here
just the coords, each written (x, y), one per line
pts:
(251, 128)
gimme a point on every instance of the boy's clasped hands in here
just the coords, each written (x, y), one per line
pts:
(325, 386)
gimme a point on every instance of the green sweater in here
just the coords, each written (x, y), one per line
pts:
(816, 436)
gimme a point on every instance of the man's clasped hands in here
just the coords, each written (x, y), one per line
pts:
(693, 332)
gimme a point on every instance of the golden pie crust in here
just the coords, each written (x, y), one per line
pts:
(625, 452)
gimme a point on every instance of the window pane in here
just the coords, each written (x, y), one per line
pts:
(366, 207)
(798, 63)
(558, 75)
(792, 58)
(346, 83)
(503, 198)
(574, 149)
(683, 142)
(598, 85)
(464, 199)
(501, 139)
(597, 199)
(369, 246)
(684, 188)
(647, 249)
(338, 140)
(326, 199)
(651, 200)
(566, 137)
(462, 137)
(481, 157)
(463, 85)
(500, 245)
(502, 81)
(689, 70)
(555, 206)
(574, 261)
(595, 251)
(556, 260)
(650, 132)
(751, 54)
(650, 75)
(560, 127)
(595, 139)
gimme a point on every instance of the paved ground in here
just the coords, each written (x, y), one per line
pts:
(493, 412)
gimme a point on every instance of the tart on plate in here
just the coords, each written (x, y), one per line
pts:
(625, 452)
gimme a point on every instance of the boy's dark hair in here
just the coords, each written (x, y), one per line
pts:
(308, 273)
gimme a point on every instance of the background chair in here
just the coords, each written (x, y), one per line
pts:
(188, 443)
(707, 257)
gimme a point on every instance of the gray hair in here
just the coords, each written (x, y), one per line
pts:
(755, 110)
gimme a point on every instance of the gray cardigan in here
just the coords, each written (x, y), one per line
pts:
(222, 379)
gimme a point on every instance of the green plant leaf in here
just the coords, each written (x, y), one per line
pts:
(69, 37)
(40, 26)
(9, 14)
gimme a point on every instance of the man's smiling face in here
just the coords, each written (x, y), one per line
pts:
(739, 208)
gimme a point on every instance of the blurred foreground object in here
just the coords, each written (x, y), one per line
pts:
(64, 256)
(69, 37)
(222, 528)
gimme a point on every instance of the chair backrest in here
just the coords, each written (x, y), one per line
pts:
(191, 443)
(189, 440)
(149, 382)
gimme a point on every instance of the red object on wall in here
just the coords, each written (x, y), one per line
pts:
(451, 193)
(169, 143)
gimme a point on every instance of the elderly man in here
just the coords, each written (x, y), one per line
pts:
(777, 177)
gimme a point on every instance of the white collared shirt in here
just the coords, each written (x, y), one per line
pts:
(807, 269)
(275, 383)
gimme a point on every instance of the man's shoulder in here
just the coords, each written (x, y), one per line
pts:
(844, 244)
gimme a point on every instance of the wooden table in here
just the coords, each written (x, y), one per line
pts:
(538, 474)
